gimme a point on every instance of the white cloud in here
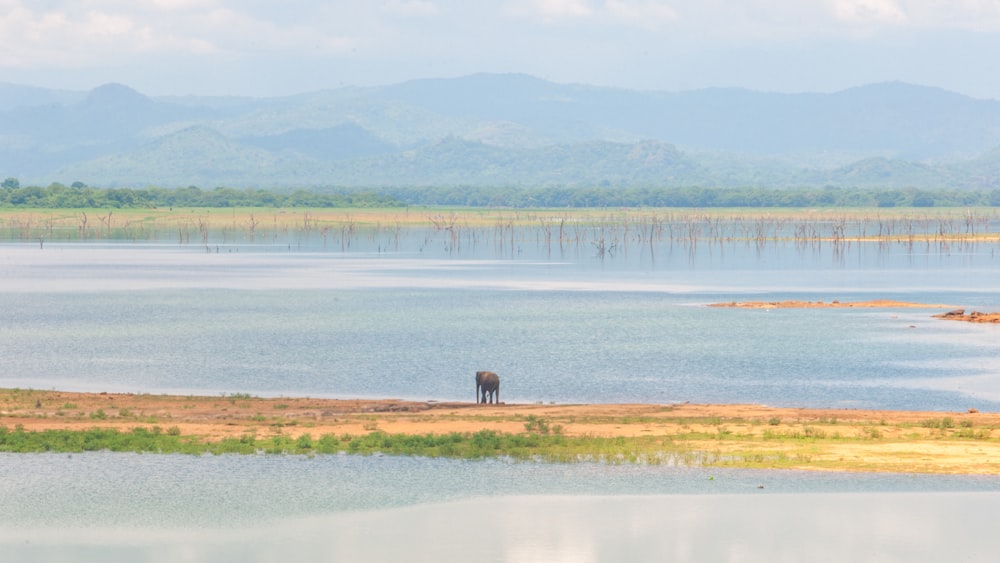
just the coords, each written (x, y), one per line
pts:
(972, 15)
(554, 10)
(613, 42)
(100, 24)
(868, 11)
(645, 13)
(173, 5)
(967, 15)
(648, 14)
(107, 32)
(70, 38)
(239, 32)
(410, 8)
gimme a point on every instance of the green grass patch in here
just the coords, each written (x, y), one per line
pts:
(540, 442)
(942, 423)
(478, 445)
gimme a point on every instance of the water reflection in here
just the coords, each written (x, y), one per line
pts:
(79, 267)
(104, 507)
(913, 527)
(119, 491)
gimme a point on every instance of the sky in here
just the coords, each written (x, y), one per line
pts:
(272, 47)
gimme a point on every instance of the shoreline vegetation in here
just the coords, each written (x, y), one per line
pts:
(79, 195)
(742, 436)
(916, 229)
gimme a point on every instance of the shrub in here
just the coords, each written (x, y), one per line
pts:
(304, 442)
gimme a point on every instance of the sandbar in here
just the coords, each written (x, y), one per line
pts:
(835, 304)
(953, 315)
(747, 435)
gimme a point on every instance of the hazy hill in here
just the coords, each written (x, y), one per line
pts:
(456, 161)
(504, 130)
(340, 142)
(16, 96)
(198, 155)
(111, 113)
(892, 119)
(882, 171)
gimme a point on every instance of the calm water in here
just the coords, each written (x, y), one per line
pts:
(129, 507)
(269, 321)
(559, 325)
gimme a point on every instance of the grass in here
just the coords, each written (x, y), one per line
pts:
(946, 422)
(536, 446)
(154, 440)
(787, 450)
(931, 442)
(215, 225)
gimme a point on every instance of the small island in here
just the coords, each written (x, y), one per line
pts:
(953, 315)
(973, 317)
(835, 304)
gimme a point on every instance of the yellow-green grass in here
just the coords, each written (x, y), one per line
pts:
(702, 435)
(220, 217)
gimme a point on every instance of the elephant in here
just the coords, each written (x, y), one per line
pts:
(487, 385)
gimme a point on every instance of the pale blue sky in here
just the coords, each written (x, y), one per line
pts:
(264, 47)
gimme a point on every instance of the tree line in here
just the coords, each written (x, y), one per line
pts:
(81, 196)
(475, 196)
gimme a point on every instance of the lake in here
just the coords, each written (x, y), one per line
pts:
(414, 317)
(105, 507)
(266, 320)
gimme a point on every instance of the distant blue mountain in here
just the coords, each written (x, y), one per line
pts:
(332, 143)
(504, 129)
(16, 96)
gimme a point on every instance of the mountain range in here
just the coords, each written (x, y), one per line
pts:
(502, 129)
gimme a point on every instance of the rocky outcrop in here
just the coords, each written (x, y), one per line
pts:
(973, 317)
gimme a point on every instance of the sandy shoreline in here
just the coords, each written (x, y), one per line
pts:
(805, 438)
(953, 315)
(835, 304)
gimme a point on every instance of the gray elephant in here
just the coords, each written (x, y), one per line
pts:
(487, 385)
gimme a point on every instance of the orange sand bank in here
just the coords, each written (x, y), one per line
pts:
(826, 439)
(874, 304)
